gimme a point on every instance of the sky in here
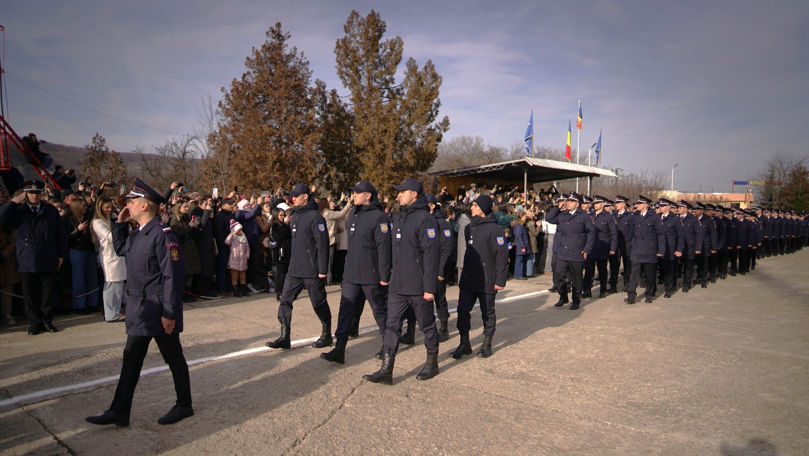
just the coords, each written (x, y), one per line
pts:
(716, 88)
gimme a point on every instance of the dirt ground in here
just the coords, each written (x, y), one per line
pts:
(721, 370)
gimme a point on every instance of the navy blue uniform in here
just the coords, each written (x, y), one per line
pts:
(40, 240)
(447, 242)
(693, 243)
(485, 265)
(576, 236)
(709, 244)
(416, 252)
(308, 258)
(606, 241)
(647, 241)
(674, 233)
(622, 254)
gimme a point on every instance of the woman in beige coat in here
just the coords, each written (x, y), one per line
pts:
(114, 266)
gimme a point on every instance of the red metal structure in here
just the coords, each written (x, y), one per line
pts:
(8, 138)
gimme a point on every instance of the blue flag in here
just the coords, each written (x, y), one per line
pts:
(598, 149)
(529, 135)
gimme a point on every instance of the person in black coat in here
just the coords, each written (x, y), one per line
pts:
(561, 204)
(154, 308)
(717, 212)
(281, 246)
(41, 247)
(574, 227)
(622, 217)
(674, 233)
(744, 241)
(604, 246)
(693, 243)
(447, 248)
(647, 244)
(206, 245)
(367, 267)
(709, 243)
(221, 230)
(308, 266)
(484, 274)
(416, 252)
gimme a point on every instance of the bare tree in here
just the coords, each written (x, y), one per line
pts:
(775, 176)
(466, 151)
(215, 170)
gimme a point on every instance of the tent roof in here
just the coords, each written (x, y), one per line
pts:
(539, 170)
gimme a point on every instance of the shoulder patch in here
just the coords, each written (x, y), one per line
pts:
(174, 249)
(321, 227)
(383, 227)
(431, 233)
(501, 240)
(447, 233)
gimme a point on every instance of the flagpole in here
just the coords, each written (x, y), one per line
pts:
(578, 145)
(589, 151)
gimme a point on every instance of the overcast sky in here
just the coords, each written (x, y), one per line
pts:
(716, 87)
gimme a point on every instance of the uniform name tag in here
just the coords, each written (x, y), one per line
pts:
(398, 235)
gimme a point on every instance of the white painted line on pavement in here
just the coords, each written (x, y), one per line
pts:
(245, 352)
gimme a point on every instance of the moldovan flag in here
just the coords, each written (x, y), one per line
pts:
(567, 144)
(578, 120)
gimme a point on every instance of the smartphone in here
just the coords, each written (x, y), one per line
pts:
(215, 192)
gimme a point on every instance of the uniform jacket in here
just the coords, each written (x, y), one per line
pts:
(447, 240)
(730, 232)
(416, 250)
(648, 238)
(486, 260)
(745, 236)
(310, 242)
(575, 232)
(675, 235)
(114, 266)
(709, 241)
(624, 231)
(606, 238)
(766, 224)
(368, 260)
(40, 241)
(694, 237)
(721, 233)
(155, 276)
(239, 252)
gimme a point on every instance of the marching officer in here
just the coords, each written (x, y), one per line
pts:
(447, 245)
(604, 246)
(484, 274)
(693, 243)
(622, 217)
(308, 267)
(648, 244)
(367, 267)
(416, 252)
(576, 234)
(716, 213)
(744, 241)
(154, 307)
(561, 204)
(674, 233)
(709, 242)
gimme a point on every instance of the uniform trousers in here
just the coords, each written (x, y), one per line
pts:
(352, 300)
(615, 269)
(589, 271)
(669, 268)
(702, 260)
(466, 301)
(564, 269)
(37, 288)
(317, 295)
(722, 263)
(134, 353)
(744, 260)
(441, 305)
(397, 305)
(648, 269)
(733, 258)
(687, 268)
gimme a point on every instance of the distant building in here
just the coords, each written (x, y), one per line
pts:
(740, 200)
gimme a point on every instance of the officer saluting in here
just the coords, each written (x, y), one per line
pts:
(484, 273)
(307, 268)
(414, 280)
(367, 267)
(605, 245)
(154, 309)
(576, 234)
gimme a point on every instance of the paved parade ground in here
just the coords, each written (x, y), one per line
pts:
(722, 370)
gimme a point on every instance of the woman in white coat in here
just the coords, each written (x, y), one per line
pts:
(114, 266)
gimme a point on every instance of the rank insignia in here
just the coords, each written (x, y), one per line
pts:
(383, 227)
(447, 234)
(500, 240)
(321, 227)
(174, 250)
(431, 233)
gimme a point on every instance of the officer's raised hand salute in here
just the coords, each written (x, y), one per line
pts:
(414, 279)
(154, 309)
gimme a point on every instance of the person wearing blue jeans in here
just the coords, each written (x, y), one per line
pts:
(83, 263)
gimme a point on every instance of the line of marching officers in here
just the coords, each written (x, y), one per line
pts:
(664, 243)
(397, 266)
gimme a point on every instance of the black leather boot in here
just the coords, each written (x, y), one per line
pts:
(486, 348)
(562, 301)
(385, 372)
(283, 341)
(463, 348)
(409, 337)
(110, 417)
(381, 353)
(430, 368)
(338, 354)
(443, 332)
(325, 339)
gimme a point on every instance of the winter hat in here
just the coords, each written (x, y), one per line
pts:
(235, 226)
(484, 203)
(242, 204)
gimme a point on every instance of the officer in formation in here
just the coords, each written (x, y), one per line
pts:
(576, 237)
(693, 243)
(367, 267)
(308, 267)
(674, 234)
(447, 247)
(41, 247)
(561, 204)
(604, 246)
(709, 243)
(622, 217)
(484, 274)
(647, 243)
(414, 280)
(154, 307)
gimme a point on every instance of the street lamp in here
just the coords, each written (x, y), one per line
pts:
(672, 176)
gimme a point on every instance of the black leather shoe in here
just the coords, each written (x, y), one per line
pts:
(574, 306)
(553, 289)
(648, 300)
(50, 328)
(35, 331)
(612, 290)
(561, 302)
(603, 294)
(177, 413)
(667, 295)
(463, 349)
(110, 417)
(685, 289)
(587, 294)
(704, 285)
(629, 300)
(430, 368)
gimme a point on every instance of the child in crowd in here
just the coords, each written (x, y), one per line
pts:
(239, 254)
